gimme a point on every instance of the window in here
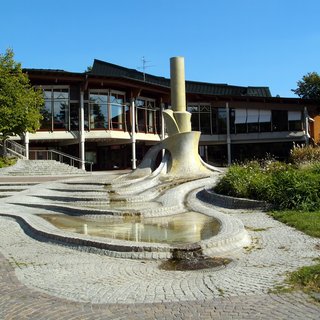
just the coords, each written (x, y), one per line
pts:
(253, 120)
(56, 108)
(222, 120)
(240, 120)
(264, 120)
(194, 110)
(98, 109)
(279, 120)
(147, 115)
(201, 117)
(205, 119)
(117, 118)
(295, 122)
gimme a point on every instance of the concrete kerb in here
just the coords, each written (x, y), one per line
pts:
(230, 238)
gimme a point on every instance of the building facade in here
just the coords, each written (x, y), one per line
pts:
(112, 115)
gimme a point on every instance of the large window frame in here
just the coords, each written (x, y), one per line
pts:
(147, 115)
(57, 98)
(107, 110)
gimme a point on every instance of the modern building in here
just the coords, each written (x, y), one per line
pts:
(111, 115)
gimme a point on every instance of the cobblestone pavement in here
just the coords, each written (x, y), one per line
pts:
(39, 280)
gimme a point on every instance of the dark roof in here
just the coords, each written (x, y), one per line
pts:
(106, 69)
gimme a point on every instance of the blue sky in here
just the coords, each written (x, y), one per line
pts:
(241, 42)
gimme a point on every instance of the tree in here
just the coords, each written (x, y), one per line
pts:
(309, 86)
(20, 103)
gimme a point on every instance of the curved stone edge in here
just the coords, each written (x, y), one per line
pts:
(232, 237)
(208, 195)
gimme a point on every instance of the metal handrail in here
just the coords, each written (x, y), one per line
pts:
(15, 148)
(59, 156)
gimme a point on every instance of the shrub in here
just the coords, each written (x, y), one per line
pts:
(304, 155)
(283, 185)
(5, 162)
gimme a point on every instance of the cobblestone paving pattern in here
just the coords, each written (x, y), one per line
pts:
(39, 280)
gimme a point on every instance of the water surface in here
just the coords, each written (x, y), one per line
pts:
(184, 228)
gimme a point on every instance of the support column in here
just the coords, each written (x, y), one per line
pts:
(26, 144)
(82, 133)
(228, 134)
(306, 124)
(133, 133)
(162, 121)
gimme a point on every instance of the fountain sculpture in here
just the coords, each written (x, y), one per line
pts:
(148, 195)
(181, 146)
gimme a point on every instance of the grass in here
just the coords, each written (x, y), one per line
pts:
(305, 221)
(294, 191)
(306, 278)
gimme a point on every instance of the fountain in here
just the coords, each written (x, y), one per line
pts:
(142, 212)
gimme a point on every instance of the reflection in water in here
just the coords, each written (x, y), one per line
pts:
(182, 228)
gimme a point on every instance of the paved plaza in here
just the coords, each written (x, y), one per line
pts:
(42, 280)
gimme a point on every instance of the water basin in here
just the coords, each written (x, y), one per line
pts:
(184, 228)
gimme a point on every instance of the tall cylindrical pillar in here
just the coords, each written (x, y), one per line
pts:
(133, 134)
(178, 87)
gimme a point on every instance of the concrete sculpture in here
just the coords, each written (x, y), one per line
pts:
(181, 157)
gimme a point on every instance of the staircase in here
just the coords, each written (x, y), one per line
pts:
(40, 168)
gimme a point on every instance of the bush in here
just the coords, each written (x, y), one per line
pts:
(304, 155)
(5, 162)
(283, 185)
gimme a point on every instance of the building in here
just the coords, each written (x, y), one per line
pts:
(111, 115)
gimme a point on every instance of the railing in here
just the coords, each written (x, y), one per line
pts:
(15, 148)
(59, 156)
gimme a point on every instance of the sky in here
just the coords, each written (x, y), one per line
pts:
(270, 43)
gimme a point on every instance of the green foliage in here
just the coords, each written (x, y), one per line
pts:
(283, 185)
(305, 155)
(20, 103)
(309, 86)
(307, 222)
(5, 162)
(307, 278)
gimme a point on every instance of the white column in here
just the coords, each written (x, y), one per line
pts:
(228, 134)
(82, 133)
(162, 121)
(133, 134)
(26, 144)
(306, 124)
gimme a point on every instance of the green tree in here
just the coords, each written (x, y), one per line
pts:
(309, 86)
(20, 103)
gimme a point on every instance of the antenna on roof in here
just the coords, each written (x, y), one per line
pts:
(144, 67)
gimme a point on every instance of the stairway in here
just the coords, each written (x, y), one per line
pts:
(40, 168)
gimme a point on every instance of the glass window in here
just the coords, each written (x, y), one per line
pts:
(279, 120)
(46, 122)
(253, 120)
(147, 115)
(98, 110)
(74, 116)
(56, 109)
(195, 119)
(214, 120)
(205, 119)
(265, 120)
(222, 120)
(117, 117)
(295, 120)
(60, 108)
